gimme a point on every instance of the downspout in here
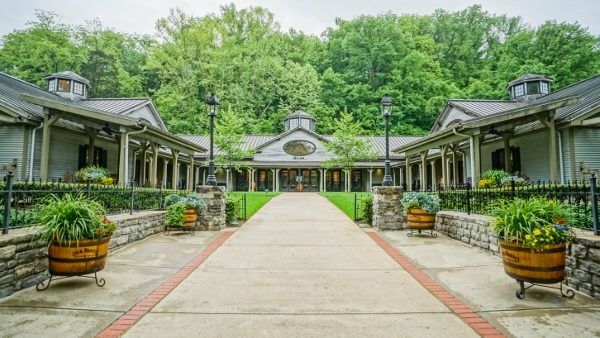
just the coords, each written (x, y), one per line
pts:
(32, 150)
(560, 158)
(471, 153)
(126, 151)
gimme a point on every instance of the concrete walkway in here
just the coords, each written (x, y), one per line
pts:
(300, 268)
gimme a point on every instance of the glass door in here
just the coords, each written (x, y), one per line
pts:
(314, 180)
(305, 179)
(285, 180)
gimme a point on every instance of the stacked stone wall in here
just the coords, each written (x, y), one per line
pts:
(387, 210)
(213, 218)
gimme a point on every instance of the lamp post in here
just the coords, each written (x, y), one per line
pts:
(386, 110)
(212, 106)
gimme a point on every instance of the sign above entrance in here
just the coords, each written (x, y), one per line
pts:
(299, 147)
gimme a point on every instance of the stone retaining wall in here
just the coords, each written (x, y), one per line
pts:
(213, 218)
(583, 255)
(23, 261)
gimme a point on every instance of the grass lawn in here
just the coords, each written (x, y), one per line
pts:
(254, 200)
(344, 200)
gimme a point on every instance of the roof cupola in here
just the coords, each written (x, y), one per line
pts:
(299, 119)
(68, 85)
(529, 87)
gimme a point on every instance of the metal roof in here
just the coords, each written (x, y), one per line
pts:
(114, 105)
(68, 75)
(587, 90)
(255, 141)
(479, 108)
(529, 77)
(10, 90)
(299, 113)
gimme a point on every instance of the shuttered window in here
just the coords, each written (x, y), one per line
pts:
(100, 157)
(515, 158)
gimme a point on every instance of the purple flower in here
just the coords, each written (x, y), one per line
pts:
(561, 227)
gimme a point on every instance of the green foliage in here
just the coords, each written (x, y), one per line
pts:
(495, 176)
(72, 218)
(263, 73)
(92, 173)
(419, 200)
(230, 140)
(18, 218)
(536, 222)
(232, 205)
(347, 146)
(176, 214)
(367, 207)
(189, 201)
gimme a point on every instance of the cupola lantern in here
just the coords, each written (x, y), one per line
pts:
(529, 87)
(68, 85)
(299, 119)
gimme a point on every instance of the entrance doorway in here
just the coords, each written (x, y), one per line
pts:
(299, 180)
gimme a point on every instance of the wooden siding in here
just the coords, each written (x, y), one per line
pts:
(587, 148)
(534, 154)
(455, 114)
(12, 147)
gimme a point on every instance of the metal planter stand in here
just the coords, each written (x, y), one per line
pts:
(41, 286)
(169, 229)
(565, 291)
(418, 231)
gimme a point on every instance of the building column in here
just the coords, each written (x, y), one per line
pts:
(204, 176)
(164, 175)
(443, 150)
(454, 166)
(123, 158)
(276, 180)
(476, 160)
(433, 176)
(154, 165)
(190, 175)
(227, 177)
(401, 175)
(143, 160)
(324, 180)
(249, 179)
(552, 149)
(507, 163)
(45, 154)
(409, 180)
(370, 179)
(92, 133)
(423, 166)
(175, 174)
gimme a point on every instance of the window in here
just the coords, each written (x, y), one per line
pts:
(293, 123)
(519, 90)
(515, 159)
(533, 88)
(52, 85)
(100, 157)
(299, 148)
(545, 88)
(78, 88)
(306, 124)
(64, 85)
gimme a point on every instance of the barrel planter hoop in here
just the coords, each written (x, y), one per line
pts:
(76, 258)
(524, 264)
(419, 219)
(190, 217)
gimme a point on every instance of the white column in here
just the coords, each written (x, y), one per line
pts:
(274, 179)
(277, 179)
(249, 179)
(433, 176)
(204, 176)
(164, 175)
(227, 179)
(370, 179)
(325, 180)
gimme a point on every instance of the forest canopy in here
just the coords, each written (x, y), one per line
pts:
(261, 73)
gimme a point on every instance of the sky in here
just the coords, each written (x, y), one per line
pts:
(309, 16)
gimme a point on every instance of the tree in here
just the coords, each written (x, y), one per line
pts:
(230, 140)
(347, 146)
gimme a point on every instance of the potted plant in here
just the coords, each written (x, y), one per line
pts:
(77, 232)
(420, 211)
(533, 234)
(94, 174)
(192, 204)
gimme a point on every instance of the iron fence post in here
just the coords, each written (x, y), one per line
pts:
(245, 208)
(7, 200)
(595, 220)
(355, 207)
(89, 187)
(512, 188)
(131, 199)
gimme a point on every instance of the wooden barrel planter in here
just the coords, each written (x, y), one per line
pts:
(535, 267)
(419, 219)
(190, 217)
(76, 258)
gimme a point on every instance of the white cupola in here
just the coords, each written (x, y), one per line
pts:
(299, 119)
(68, 85)
(529, 87)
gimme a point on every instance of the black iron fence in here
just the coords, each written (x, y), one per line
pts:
(363, 208)
(19, 199)
(582, 196)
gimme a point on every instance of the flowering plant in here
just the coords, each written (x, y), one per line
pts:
(189, 201)
(92, 173)
(485, 183)
(535, 222)
(419, 200)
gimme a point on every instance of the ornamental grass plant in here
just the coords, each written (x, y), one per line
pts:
(418, 200)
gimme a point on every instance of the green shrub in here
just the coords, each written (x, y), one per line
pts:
(419, 200)
(176, 215)
(496, 176)
(92, 173)
(232, 205)
(19, 218)
(535, 222)
(72, 218)
(367, 206)
(190, 201)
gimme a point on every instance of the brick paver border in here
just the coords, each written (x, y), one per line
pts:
(139, 310)
(463, 311)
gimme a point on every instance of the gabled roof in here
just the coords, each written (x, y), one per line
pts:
(299, 113)
(478, 108)
(115, 105)
(10, 90)
(291, 131)
(587, 90)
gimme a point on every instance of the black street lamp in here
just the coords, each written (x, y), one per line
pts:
(386, 110)
(212, 106)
